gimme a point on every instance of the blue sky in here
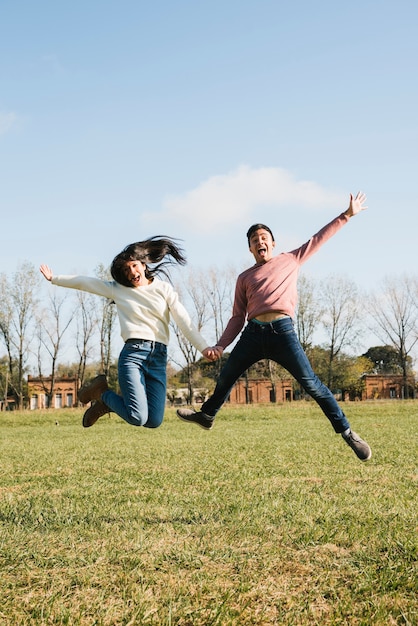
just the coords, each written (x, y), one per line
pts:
(121, 120)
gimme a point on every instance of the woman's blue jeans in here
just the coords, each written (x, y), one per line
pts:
(142, 372)
(278, 342)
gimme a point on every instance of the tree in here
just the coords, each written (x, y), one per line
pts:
(395, 315)
(275, 372)
(86, 324)
(200, 315)
(208, 297)
(385, 360)
(308, 313)
(17, 322)
(319, 358)
(107, 317)
(340, 319)
(347, 371)
(218, 287)
(51, 329)
(6, 316)
(350, 375)
(4, 381)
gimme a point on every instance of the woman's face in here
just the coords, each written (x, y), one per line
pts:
(135, 273)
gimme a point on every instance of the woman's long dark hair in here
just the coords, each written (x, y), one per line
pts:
(152, 251)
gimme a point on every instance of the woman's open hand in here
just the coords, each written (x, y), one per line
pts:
(46, 271)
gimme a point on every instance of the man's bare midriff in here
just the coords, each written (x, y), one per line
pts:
(271, 316)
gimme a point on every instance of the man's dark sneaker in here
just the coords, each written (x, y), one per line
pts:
(196, 417)
(360, 447)
(93, 390)
(92, 414)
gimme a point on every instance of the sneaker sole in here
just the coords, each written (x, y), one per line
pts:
(184, 419)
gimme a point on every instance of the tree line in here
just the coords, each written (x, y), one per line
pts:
(47, 331)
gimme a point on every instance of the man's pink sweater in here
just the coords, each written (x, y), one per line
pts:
(272, 286)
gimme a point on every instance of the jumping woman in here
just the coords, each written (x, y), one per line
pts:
(144, 304)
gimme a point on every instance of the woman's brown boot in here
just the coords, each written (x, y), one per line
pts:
(93, 390)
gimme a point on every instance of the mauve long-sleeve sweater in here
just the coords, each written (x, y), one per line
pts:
(272, 286)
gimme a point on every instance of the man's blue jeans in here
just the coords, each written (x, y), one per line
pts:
(278, 342)
(142, 372)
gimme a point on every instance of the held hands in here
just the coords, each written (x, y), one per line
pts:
(213, 353)
(46, 272)
(356, 204)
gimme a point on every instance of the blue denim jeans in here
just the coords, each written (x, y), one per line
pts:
(142, 372)
(278, 342)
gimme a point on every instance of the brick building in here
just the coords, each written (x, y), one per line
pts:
(64, 393)
(252, 391)
(385, 386)
(260, 391)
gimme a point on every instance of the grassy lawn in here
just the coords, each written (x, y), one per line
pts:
(267, 519)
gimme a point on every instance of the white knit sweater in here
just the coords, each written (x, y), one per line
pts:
(144, 312)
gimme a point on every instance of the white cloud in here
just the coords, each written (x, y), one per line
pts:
(222, 200)
(7, 120)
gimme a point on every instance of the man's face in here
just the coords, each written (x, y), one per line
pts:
(261, 245)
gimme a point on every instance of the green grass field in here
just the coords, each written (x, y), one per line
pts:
(267, 519)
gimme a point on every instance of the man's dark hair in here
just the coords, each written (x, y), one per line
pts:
(255, 227)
